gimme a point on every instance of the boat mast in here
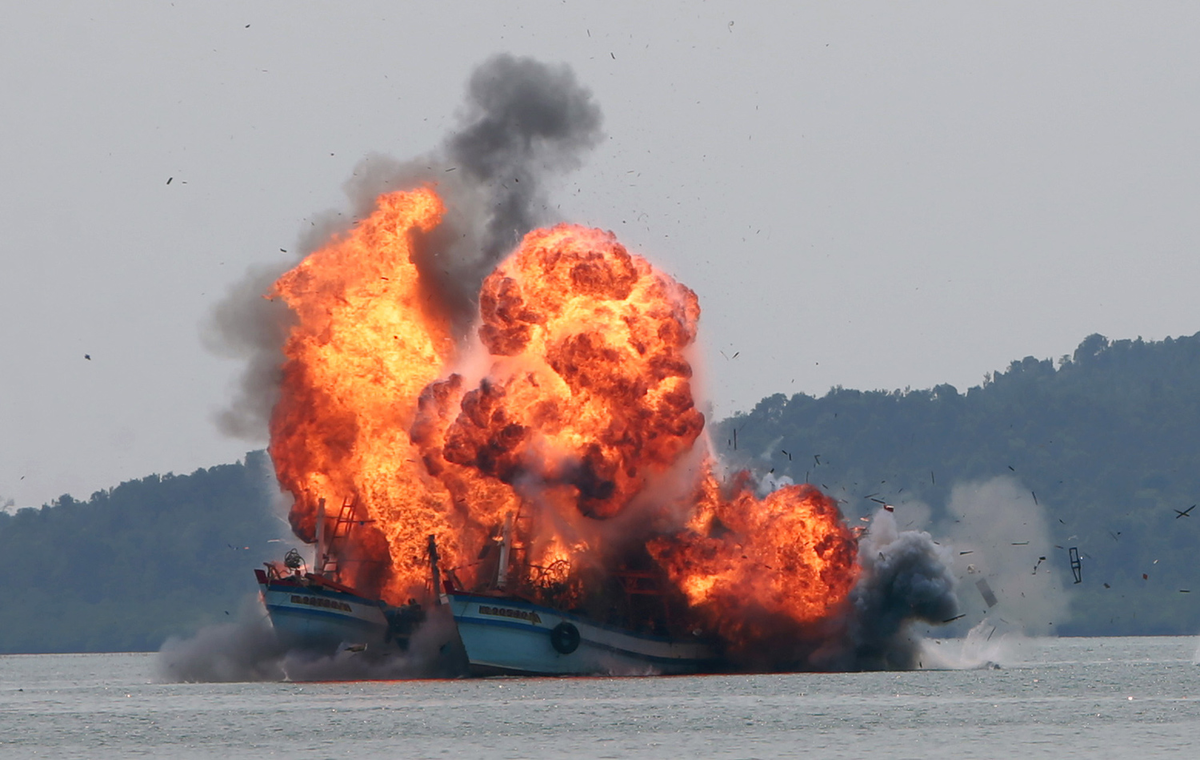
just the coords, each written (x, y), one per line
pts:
(320, 563)
(433, 569)
(505, 546)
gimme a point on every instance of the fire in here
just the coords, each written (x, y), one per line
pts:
(787, 556)
(366, 340)
(577, 435)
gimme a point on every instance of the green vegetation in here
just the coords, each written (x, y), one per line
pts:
(1109, 441)
(137, 563)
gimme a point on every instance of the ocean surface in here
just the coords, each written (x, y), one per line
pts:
(1062, 698)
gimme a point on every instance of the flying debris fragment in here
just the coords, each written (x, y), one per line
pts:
(1076, 565)
(1185, 512)
(986, 592)
(956, 617)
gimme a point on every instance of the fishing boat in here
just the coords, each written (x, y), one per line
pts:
(505, 632)
(505, 635)
(314, 611)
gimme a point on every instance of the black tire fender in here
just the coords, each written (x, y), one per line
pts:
(564, 637)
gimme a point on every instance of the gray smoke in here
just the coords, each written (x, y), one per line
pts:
(906, 578)
(247, 650)
(246, 326)
(523, 122)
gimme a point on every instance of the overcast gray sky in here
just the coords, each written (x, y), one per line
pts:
(873, 195)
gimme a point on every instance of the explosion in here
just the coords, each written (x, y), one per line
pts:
(580, 433)
(445, 368)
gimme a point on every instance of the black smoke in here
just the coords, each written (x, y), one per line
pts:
(907, 579)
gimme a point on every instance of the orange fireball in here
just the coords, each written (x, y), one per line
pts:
(581, 408)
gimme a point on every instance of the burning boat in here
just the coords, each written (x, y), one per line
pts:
(313, 611)
(505, 632)
(551, 444)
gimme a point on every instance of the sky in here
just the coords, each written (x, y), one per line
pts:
(872, 195)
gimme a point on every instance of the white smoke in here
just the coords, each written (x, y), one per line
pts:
(1001, 537)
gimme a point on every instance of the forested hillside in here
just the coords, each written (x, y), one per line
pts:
(1107, 443)
(136, 563)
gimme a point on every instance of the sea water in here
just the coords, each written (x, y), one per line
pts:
(1072, 697)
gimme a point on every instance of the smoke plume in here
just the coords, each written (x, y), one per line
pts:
(523, 122)
(906, 578)
(247, 650)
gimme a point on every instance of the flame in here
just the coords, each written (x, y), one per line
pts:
(578, 437)
(788, 556)
(366, 341)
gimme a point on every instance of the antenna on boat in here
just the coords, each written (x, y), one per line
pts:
(505, 546)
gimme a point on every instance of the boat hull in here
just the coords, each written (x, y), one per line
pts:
(322, 619)
(505, 636)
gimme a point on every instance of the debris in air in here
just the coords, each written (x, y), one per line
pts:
(986, 592)
(1185, 512)
(88, 357)
(169, 180)
(1076, 565)
(956, 617)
